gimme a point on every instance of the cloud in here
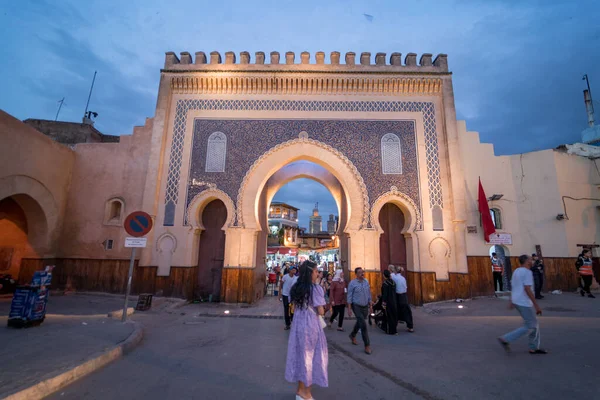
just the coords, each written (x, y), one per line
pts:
(516, 66)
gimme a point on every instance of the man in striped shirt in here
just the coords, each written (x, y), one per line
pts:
(359, 301)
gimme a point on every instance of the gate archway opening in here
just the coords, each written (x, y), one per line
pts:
(304, 222)
(23, 232)
(329, 249)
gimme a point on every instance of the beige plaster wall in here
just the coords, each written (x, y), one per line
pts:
(103, 171)
(579, 178)
(38, 169)
(532, 185)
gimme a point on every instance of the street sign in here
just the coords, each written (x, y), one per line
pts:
(500, 238)
(138, 223)
(135, 242)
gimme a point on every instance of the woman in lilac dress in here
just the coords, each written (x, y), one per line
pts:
(307, 347)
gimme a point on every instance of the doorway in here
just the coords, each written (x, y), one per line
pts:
(504, 257)
(212, 251)
(392, 244)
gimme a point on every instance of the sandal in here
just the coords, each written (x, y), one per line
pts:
(538, 351)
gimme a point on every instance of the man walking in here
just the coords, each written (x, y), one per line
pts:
(359, 301)
(538, 275)
(522, 298)
(404, 311)
(285, 286)
(497, 272)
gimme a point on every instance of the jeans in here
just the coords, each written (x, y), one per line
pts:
(404, 311)
(497, 278)
(286, 311)
(340, 309)
(530, 326)
(361, 313)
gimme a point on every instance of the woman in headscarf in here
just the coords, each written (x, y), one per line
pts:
(307, 356)
(388, 302)
(337, 299)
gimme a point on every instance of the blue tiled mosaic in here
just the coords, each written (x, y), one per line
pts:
(247, 141)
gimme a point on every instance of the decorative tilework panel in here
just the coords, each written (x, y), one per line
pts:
(360, 141)
(183, 106)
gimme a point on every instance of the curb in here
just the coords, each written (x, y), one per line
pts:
(51, 385)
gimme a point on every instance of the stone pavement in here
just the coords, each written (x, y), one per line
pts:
(452, 355)
(75, 329)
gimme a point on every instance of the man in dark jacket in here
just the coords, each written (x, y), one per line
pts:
(538, 275)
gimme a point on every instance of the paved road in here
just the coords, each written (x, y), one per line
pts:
(453, 355)
(75, 329)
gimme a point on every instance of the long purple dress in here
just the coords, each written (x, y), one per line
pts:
(307, 347)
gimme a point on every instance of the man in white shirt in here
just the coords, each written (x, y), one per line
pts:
(285, 285)
(404, 311)
(523, 299)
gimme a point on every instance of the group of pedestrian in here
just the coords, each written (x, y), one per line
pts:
(537, 269)
(307, 360)
(527, 282)
(305, 292)
(584, 266)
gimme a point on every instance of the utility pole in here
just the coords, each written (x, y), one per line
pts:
(589, 103)
(61, 102)
(90, 95)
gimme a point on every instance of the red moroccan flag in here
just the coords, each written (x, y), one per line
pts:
(486, 217)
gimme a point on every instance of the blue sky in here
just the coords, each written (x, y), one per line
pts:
(312, 192)
(517, 64)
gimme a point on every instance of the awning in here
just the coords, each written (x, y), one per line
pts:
(282, 250)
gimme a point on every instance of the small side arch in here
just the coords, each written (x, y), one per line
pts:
(200, 201)
(38, 204)
(405, 203)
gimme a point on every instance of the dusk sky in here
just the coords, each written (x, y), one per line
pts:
(517, 65)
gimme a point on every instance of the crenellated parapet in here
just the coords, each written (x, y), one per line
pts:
(365, 62)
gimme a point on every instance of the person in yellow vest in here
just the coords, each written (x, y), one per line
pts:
(497, 271)
(584, 266)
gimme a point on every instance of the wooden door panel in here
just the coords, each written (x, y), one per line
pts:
(392, 244)
(212, 250)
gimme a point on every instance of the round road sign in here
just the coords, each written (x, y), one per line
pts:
(138, 223)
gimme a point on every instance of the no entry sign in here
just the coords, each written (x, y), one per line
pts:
(138, 224)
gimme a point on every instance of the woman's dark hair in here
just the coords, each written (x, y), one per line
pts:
(387, 274)
(302, 289)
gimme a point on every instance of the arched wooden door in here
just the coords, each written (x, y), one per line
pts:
(212, 251)
(392, 245)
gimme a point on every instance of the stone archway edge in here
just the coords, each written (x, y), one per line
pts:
(202, 199)
(394, 195)
(303, 139)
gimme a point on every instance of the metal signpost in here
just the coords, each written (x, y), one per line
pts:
(137, 224)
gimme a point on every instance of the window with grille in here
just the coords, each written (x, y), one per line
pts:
(391, 154)
(216, 152)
